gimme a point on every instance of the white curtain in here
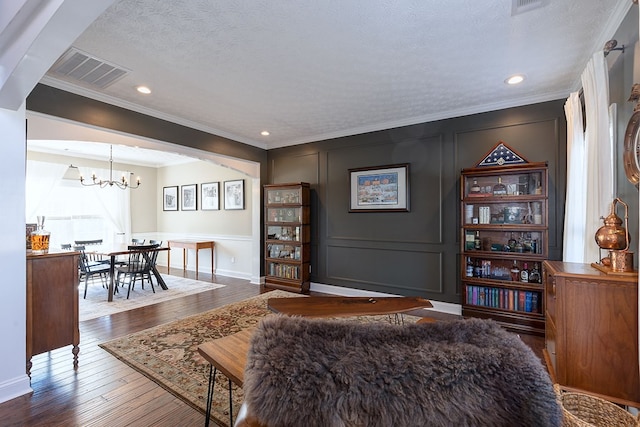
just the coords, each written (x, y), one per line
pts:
(41, 179)
(115, 202)
(596, 183)
(575, 208)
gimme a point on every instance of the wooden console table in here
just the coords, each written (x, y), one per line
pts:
(196, 245)
(52, 304)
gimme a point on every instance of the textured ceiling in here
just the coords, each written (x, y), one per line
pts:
(311, 70)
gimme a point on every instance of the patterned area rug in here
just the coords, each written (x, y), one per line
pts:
(168, 354)
(96, 304)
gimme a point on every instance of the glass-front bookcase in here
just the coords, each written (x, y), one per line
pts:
(504, 239)
(287, 236)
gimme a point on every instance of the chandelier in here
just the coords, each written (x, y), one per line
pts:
(122, 183)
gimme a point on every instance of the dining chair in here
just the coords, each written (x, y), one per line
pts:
(137, 241)
(65, 246)
(140, 265)
(89, 242)
(155, 242)
(92, 256)
(89, 269)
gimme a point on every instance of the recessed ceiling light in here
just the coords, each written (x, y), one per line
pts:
(143, 89)
(264, 133)
(515, 79)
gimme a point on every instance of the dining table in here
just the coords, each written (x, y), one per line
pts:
(123, 249)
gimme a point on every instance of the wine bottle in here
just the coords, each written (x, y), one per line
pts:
(534, 275)
(477, 269)
(499, 189)
(469, 267)
(524, 273)
(475, 188)
(477, 243)
(515, 272)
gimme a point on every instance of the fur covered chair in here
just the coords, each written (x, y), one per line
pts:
(335, 373)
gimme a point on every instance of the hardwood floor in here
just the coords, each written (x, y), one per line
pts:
(104, 391)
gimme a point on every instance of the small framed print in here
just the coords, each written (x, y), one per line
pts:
(234, 194)
(189, 197)
(170, 198)
(379, 189)
(209, 200)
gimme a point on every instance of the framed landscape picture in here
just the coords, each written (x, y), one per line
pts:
(170, 198)
(189, 197)
(209, 200)
(379, 189)
(234, 194)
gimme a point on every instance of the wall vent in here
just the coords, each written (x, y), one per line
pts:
(522, 6)
(79, 66)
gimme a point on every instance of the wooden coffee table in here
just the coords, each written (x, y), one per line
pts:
(345, 306)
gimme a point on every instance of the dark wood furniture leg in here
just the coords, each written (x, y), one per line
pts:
(112, 277)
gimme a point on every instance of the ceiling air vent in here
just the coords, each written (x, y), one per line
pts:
(522, 6)
(76, 65)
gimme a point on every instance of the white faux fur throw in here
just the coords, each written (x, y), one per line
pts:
(332, 373)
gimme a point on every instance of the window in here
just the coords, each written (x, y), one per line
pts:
(74, 212)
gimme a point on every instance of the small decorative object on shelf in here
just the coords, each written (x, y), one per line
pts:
(504, 238)
(475, 188)
(287, 236)
(499, 189)
(615, 238)
(40, 238)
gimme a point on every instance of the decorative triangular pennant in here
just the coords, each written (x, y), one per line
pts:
(502, 155)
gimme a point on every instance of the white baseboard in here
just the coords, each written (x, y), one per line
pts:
(442, 307)
(15, 387)
(232, 273)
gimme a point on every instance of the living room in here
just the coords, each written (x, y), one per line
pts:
(356, 250)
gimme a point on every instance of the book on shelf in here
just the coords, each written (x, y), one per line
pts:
(505, 299)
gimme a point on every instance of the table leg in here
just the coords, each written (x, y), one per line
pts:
(159, 278)
(184, 260)
(197, 263)
(156, 273)
(112, 277)
(230, 405)
(211, 262)
(169, 261)
(212, 380)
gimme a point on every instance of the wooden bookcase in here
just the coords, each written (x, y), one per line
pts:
(504, 215)
(287, 233)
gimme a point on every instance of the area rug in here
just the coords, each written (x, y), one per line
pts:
(96, 304)
(168, 354)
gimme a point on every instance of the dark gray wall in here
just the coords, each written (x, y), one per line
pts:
(416, 252)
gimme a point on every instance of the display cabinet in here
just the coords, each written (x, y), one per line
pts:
(287, 236)
(504, 240)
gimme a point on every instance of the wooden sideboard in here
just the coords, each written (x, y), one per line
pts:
(52, 304)
(591, 336)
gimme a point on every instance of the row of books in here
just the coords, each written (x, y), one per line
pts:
(284, 271)
(507, 299)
